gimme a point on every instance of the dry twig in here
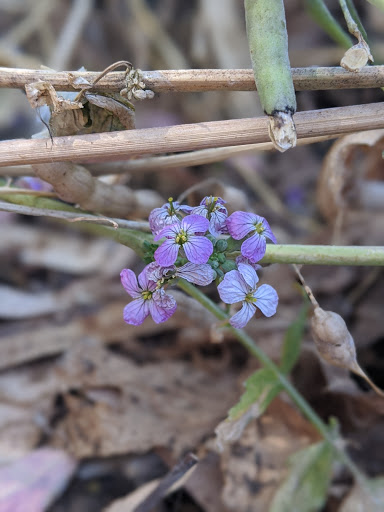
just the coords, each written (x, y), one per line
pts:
(199, 80)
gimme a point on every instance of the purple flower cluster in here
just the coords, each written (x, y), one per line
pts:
(194, 245)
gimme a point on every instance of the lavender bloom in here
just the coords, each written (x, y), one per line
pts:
(240, 224)
(241, 286)
(147, 298)
(186, 234)
(213, 209)
(166, 215)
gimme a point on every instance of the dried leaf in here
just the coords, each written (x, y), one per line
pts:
(43, 93)
(343, 173)
(305, 488)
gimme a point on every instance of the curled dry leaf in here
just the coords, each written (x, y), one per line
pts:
(42, 93)
(345, 178)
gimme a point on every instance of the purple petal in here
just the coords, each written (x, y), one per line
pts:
(200, 210)
(242, 259)
(136, 311)
(155, 272)
(242, 317)
(195, 224)
(268, 231)
(254, 247)
(267, 299)
(217, 224)
(161, 306)
(144, 277)
(168, 231)
(166, 254)
(201, 275)
(249, 275)
(198, 248)
(239, 224)
(129, 282)
(232, 288)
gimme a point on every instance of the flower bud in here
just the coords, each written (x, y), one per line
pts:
(221, 245)
(229, 265)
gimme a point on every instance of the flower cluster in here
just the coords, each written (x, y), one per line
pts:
(201, 244)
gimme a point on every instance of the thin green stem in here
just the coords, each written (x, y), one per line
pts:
(320, 13)
(296, 397)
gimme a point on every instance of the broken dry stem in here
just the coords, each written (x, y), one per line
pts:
(196, 80)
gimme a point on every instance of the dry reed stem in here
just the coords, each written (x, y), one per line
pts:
(199, 80)
(235, 132)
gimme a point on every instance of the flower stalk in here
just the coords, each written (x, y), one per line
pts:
(267, 363)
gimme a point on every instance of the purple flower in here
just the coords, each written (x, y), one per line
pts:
(240, 224)
(213, 209)
(185, 234)
(148, 299)
(241, 286)
(166, 215)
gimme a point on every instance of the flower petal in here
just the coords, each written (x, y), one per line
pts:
(200, 274)
(168, 231)
(161, 306)
(195, 224)
(242, 259)
(242, 317)
(232, 288)
(136, 312)
(166, 254)
(268, 231)
(147, 278)
(200, 210)
(239, 224)
(254, 248)
(198, 248)
(129, 282)
(249, 275)
(266, 299)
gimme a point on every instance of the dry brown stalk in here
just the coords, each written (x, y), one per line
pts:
(235, 132)
(199, 80)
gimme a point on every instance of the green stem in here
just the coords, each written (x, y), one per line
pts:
(320, 13)
(296, 397)
(324, 255)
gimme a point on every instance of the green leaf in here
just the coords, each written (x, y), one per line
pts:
(261, 387)
(293, 338)
(305, 488)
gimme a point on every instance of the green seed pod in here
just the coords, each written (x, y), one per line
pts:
(268, 44)
(221, 245)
